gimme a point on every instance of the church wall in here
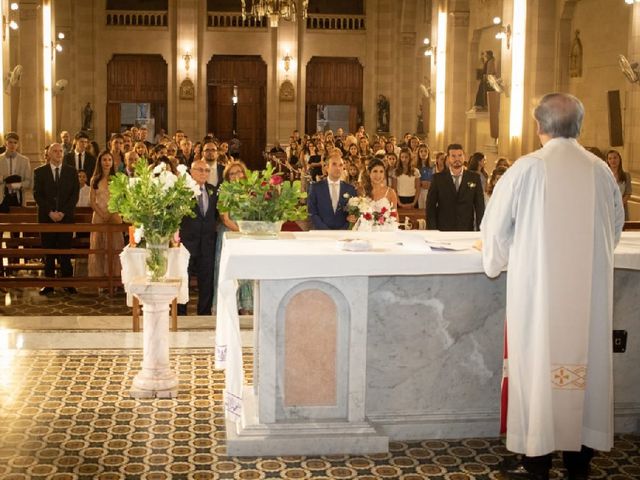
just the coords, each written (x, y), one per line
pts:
(604, 32)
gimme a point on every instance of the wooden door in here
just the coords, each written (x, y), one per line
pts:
(137, 79)
(249, 75)
(334, 81)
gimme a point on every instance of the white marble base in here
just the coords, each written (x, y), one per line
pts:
(308, 438)
(157, 378)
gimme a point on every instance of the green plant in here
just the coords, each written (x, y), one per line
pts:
(262, 196)
(155, 199)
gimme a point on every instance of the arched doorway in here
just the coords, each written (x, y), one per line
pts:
(236, 90)
(335, 84)
(136, 93)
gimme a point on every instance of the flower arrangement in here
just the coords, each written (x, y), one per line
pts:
(155, 201)
(262, 196)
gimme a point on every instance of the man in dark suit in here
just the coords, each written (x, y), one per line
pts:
(55, 190)
(79, 158)
(455, 201)
(198, 235)
(327, 203)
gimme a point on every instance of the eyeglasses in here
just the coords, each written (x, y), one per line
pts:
(201, 169)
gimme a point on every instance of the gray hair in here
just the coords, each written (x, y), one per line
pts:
(559, 115)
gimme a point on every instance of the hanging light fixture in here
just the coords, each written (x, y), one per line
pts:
(275, 10)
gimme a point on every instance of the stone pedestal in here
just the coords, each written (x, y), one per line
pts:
(156, 379)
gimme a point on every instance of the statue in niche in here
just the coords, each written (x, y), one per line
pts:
(575, 59)
(87, 117)
(488, 68)
(383, 114)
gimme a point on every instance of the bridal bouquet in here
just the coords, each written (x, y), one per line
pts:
(373, 215)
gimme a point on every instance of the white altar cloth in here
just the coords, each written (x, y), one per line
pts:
(315, 255)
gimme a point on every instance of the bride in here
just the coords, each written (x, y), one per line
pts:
(383, 198)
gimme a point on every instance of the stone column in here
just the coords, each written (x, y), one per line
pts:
(30, 125)
(156, 379)
(457, 102)
(186, 21)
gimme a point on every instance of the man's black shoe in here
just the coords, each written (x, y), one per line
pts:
(519, 472)
(46, 290)
(70, 290)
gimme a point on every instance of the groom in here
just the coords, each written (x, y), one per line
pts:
(327, 202)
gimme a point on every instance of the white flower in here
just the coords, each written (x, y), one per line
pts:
(133, 181)
(159, 168)
(182, 169)
(346, 195)
(193, 185)
(167, 180)
(138, 234)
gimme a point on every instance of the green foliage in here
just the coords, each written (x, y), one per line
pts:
(156, 201)
(262, 196)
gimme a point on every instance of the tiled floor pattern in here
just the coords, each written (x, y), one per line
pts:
(67, 415)
(87, 302)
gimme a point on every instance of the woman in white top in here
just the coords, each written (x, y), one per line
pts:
(614, 160)
(375, 184)
(407, 181)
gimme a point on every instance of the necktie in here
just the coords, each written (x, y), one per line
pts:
(203, 201)
(456, 180)
(57, 175)
(334, 196)
(10, 164)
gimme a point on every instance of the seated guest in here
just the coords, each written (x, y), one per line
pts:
(55, 190)
(141, 149)
(327, 202)
(495, 176)
(83, 194)
(116, 147)
(130, 159)
(198, 235)
(623, 179)
(407, 181)
(98, 262)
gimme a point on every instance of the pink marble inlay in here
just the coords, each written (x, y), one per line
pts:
(311, 323)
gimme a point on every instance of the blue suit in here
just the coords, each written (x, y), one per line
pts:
(321, 211)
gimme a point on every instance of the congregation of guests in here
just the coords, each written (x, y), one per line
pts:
(449, 186)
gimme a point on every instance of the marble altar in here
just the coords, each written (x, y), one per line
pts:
(352, 350)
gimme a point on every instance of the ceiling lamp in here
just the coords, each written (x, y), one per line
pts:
(275, 10)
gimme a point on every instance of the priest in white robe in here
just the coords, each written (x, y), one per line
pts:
(553, 222)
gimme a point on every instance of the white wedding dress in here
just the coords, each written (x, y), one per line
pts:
(381, 205)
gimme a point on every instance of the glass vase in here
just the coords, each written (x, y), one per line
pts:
(259, 229)
(157, 260)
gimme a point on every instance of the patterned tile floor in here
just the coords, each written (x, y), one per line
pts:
(87, 302)
(67, 415)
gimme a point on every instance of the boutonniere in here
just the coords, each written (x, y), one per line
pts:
(471, 184)
(210, 191)
(346, 196)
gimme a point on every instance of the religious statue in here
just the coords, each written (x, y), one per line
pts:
(488, 68)
(575, 59)
(87, 117)
(383, 114)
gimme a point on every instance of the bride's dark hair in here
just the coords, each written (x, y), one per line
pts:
(367, 186)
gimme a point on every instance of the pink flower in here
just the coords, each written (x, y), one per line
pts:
(381, 220)
(276, 180)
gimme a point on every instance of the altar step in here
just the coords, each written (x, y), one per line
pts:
(83, 323)
(106, 340)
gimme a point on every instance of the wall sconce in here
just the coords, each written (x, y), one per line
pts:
(234, 99)
(505, 33)
(287, 62)
(187, 61)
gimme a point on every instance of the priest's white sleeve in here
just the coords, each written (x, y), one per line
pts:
(497, 227)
